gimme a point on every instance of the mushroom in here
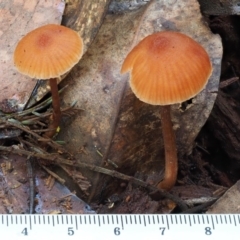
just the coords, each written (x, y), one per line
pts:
(48, 52)
(167, 68)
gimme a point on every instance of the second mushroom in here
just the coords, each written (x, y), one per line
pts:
(167, 68)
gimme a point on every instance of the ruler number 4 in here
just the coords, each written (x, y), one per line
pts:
(25, 232)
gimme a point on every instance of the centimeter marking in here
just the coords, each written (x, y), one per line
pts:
(122, 226)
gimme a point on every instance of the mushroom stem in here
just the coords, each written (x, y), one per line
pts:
(171, 162)
(56, 108)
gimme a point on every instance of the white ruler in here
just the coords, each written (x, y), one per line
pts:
(134, 227)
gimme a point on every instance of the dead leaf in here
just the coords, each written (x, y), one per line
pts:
(220, 7)
(228, 203)
(115, 123)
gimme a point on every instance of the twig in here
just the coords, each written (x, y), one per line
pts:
(62, 181)
(36, 108)
(18, 125)
(227, 82)
(200, 208)
(31, 186)
(55, 158)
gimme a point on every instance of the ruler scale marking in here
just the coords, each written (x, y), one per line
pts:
(112, 219)
(122, 222)
(53, 220)
(139, 226)
(30, 222)
(185, 220)
(167, 222)
(235, 223)
(207, 219)
(117, 219)
(99, 223)
(190, 222)
(153, 218)
(213, 226)
(194, 220)
(76, 222)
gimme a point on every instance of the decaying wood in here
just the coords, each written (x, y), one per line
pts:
(225, 126)
(85, 17)
(220, 7)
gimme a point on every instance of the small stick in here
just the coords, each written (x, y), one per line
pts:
(227, 82)
(50, 142)
(62, 181)
(31, 186)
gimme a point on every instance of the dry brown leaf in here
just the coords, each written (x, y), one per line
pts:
(126, 131)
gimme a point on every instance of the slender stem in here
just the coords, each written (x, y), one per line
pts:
(171, 162)
(56, 108)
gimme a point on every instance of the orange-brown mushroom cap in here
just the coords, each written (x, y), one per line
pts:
(167, 67)
(48, 51)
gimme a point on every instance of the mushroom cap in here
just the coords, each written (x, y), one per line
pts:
(48, 51)
(167, 67)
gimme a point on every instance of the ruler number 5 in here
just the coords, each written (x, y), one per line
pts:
(70, 231)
